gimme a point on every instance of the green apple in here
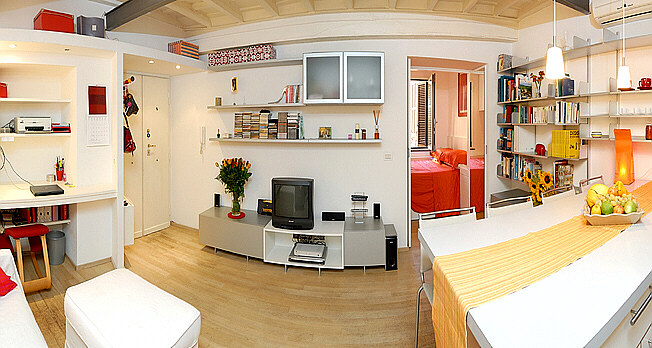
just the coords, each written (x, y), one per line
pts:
(607, 208)
(630, 207)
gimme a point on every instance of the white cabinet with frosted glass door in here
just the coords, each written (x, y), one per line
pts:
(364, 77)
(322, 78)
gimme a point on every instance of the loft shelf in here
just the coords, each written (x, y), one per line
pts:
(298, 141)
(34, 100)
(256, 106)
(257, 64)
(593, 49)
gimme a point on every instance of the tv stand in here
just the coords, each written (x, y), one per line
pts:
(278, 244)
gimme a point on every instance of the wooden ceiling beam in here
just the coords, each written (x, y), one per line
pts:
(432, 4)
(226, 8)
(468, 5)
(270, 6)
(533, 7)
(349, 4)
(392, 4)
(190, 13)
(504, 6)
(310, 5)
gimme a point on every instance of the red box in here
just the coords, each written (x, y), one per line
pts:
(242, 55)
(184, 48)
(3, 90)
(54, 21)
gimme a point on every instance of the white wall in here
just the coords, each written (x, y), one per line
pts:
(339, 170)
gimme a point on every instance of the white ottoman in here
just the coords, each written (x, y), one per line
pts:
(121, 309)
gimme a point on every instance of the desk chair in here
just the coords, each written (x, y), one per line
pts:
(558, 193)
(514, 204)
(590, 181)
(429, 220)
(36, 235)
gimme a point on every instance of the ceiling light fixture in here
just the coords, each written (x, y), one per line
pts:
(67, 49)
(151, 62)
(624, 75)
(178, 67)
(555, 56)
(12, 46)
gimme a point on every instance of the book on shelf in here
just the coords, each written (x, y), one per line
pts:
(565, 143)
(293, 94)
(567, 113)
(505, 139)
(563, 173)
(529, 114)
(39, 215)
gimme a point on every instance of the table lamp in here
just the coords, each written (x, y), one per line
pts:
(624, 156)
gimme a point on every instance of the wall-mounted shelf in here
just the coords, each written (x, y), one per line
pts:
(257, 64)
(298, 141)
(49, 223)
(256, 106)
(534, 155)
(524, 124)
(6, 137)
(510, 179)
(635, 139)
(523, 101)
(34, 100)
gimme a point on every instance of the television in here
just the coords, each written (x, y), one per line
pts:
(292, 203)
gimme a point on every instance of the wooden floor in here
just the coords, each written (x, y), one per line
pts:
(253, 304)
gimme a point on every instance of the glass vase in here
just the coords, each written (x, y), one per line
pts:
(235, 208)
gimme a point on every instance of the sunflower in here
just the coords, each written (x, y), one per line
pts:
(527, 176)
(533, 187)
(541, 187)
(547, 179)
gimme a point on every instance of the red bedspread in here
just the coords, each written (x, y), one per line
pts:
(435, 186)
(477, 183)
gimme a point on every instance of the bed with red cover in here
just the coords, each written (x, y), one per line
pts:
(436, 185)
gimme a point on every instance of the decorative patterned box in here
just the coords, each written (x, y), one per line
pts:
(184, 48)
(242, 55)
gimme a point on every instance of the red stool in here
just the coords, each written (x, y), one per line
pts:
(32, 232)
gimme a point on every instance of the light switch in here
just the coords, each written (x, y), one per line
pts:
(388, 156)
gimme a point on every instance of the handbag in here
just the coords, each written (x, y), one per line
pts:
(129, 103)
(129, 143)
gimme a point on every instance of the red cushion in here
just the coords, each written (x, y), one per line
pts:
(35, 244)
(27, 231)
(6, 284)
(453, 158)
(5, 243)
(438, 152)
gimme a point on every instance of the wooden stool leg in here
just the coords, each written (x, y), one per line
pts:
(19, 257)
(36, 267)
(46, 260)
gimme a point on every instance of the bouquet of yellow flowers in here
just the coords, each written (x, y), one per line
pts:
(538, 184)
(234, 174)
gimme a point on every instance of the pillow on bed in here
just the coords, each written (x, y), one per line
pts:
(438, 152)
(453, 158)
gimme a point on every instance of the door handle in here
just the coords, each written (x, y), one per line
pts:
(151, 145)
(637, 313)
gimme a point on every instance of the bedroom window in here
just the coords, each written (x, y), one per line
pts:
(421, 115)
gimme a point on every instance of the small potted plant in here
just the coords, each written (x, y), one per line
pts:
(537, 79)
(234, 174)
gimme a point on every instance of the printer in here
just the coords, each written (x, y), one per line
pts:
(31, 124)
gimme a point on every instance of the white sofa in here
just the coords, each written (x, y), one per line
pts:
(18, 327)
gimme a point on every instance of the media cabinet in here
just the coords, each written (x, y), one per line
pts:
(349, 243)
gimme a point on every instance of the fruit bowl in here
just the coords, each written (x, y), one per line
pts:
(612, 219)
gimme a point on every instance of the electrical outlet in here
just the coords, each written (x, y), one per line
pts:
(388, 156)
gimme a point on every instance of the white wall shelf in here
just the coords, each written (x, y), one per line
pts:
(256, 106)
(257, 64)
(34, 100)
(48, 223)
(635, 139)
(534, 155)
(6, 137)
(298, 141)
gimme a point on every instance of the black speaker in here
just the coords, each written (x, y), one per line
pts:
(376, 210)
(216, 200)
(332, 216)
(391, 248)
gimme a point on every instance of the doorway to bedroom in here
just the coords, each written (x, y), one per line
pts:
(446, 125)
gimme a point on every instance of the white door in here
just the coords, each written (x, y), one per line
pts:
(156, 154)
(133, 176)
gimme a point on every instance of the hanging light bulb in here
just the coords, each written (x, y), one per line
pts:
(624, 81)
(555, 57)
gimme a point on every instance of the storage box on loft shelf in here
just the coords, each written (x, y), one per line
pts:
(242, 55)
(184, 48)
(54, 21)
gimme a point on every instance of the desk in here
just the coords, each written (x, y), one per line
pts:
(89, 234)
(580, 305)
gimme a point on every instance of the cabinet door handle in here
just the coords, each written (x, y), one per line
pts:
(637, 313)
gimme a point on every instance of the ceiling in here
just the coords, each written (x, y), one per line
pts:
(201, 16)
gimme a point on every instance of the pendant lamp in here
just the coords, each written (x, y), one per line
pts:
(624, 75)
(555, 57)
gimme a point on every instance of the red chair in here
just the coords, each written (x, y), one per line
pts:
(36, 235)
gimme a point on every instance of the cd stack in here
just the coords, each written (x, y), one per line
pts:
(255, 126)
(282, 125)
(246, 125)
(293, 126)
(237, 127)
(272, 127)
(264, 124)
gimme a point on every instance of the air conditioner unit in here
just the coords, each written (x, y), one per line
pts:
(610, 12)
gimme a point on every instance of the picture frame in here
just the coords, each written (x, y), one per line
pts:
(234, 84)
(462, 95)
(325, 133)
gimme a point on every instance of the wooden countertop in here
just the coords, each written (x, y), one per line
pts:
(19, 196)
